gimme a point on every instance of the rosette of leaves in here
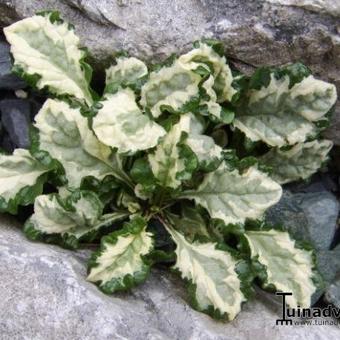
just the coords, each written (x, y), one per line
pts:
(145, 170)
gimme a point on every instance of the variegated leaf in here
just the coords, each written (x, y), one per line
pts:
(166, 162)
(204, 56)
(171, 86)
(280, 115)
(126, 71)
(65, 135)
(121, 124)
(119, 263)
(234, 197)
(209, 154)
(76, 214)
(20, 179)
(212, 272)
(50, 49)
(287, 267)
(190, 223)
(299, 162)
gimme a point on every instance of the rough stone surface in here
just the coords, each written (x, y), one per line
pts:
(255, 33)
(44, 296)
(15, 118)
(333, 293)
(329, 268)
(7, 79)
(329, 264)
(310, 216)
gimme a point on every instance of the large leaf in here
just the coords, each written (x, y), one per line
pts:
(119, 263)
(121, 124)
(287, 267)
(279, 114)
(126, 72)
(206, 57)
(215, 284)
(299, 162)
(69, 216)
(49, 50)
(170, 87)
(234, 197)
(65, 135)
(21, 179)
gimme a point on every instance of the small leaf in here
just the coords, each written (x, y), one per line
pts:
(127, 72)
(166, 162)
(190, 223)
(205, 56)
(21, 180)
(121, 124)
(59, 218)
(171, 87)
(119, 263)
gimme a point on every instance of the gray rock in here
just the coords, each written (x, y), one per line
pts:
(308, 216)
(44, 295)
(317, 183)
(255, 33)
(8, 80)
(329, 264)
(329, 267)
(15, 118)
(333, 293)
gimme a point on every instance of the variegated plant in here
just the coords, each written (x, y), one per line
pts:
(159, 167)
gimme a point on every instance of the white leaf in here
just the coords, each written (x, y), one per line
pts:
(17, 172)
(65, 135)
(171, 86)
(300, 162)
(205, 56)
(288, 268)
(213, 107)
(208, 153)
(280, 115)
(120, 256)
(50, 50)
(232, 197)
(82, 215)
(212, 271)
(166, 163)
(121, 124)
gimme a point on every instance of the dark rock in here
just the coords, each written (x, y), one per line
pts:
(333, 293)
(7, 79)
(15, 117)
(329, 267)
(309, 216)
(329, 264)
(318, 182)
(6, 144)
